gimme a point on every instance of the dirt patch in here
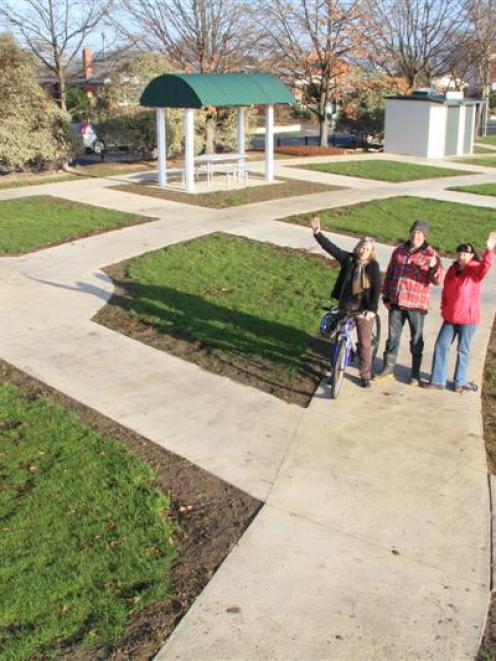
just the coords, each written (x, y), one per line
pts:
(488, 645)
(212, 516)
(489, 402)
(295, 389)
(312, 150)
(231, 198)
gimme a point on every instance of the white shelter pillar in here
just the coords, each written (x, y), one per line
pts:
(241, 138)
(269, 143)
(189, 153)
(161, 146)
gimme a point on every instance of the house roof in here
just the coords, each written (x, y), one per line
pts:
(199, 90)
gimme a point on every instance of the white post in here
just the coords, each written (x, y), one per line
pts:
(189, 154)
(241, 139)
(269, 143)
(460, 142)
(161, 146)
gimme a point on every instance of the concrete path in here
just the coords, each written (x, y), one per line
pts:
(374, 539)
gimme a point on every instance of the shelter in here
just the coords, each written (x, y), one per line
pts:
(430, 125)
(196, 90)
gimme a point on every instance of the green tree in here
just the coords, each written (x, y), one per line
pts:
(78, 104)
(34, 132)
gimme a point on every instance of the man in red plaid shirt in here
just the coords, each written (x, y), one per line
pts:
(414, 266)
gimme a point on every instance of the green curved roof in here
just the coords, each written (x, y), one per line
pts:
(198, 90)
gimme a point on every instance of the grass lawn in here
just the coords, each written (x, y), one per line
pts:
(110, 169)
(486, 161)
(30, 223)
(480, 189)
(85, 540)
(384, 170)
(238, 307)
(484, 150)
(231, 198)
(389, 221)
(487, 139)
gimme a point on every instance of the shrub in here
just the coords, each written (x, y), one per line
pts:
(34, 132)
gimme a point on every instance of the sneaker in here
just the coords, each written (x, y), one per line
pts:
(365, 383)
(459, 389)
(387, 372)
(431, 386)
(471, 387)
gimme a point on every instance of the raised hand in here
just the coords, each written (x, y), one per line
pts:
(491, 241)
(315, 224)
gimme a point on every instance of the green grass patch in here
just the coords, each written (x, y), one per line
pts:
(389, 221)
(238, 307)
(480, 189)
(34, 222)
(84, 538)
(486, 161)
(484, 150)
(384, 170)
(15, 180)
(487, 139)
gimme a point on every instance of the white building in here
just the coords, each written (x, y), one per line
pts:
(429, 125)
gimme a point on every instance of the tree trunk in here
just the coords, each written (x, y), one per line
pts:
(210, 131)
(62, 89)
(323, 121)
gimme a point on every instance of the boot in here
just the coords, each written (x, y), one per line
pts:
(387, 370)
(415, 374)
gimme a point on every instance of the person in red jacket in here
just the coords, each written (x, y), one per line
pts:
(460, 309)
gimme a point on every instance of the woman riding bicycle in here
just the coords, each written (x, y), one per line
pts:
(357, 289)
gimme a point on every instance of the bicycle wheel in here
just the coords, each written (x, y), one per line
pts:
(338, 371)
(376, 337)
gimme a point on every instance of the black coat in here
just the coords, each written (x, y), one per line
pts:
(370, 297)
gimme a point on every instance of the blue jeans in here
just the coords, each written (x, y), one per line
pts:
(397, 318)
(446, 337)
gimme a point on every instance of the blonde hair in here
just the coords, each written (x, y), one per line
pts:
(371, 242)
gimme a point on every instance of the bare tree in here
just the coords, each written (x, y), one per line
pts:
(198, 36)
(414, 38)
(482, 47)
(308, 41)
(53, 30)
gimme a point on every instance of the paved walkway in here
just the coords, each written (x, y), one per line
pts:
(374, 539)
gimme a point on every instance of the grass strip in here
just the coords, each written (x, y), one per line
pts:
(389, 221)
(384, 170)
(15, 180)
(486, 161)
(30, 223)
(487, 139)
(480, 189)
(85, 540)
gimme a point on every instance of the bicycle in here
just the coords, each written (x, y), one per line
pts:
(338, 326)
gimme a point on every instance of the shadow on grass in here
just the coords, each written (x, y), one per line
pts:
(269, 355)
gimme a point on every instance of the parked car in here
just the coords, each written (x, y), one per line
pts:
(91, 142)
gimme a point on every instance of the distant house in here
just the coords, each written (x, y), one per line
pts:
(89, 73)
